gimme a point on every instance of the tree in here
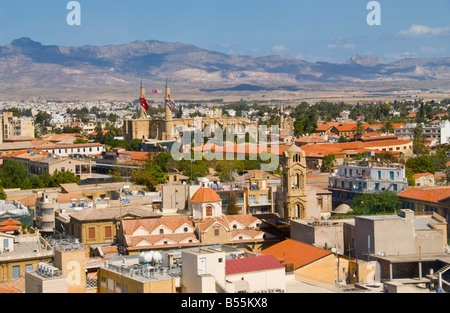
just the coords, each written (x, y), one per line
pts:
(150, 177)
(376, 203)
(194, 170)
(360, 128)
(232, 208)
(229, 177)
(2, 194)
(388, 128)
(421, 164)
(14, 175)
(328, 162)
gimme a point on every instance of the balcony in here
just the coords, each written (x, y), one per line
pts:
(260, 203)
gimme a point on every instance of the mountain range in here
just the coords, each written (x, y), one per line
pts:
(28, 68)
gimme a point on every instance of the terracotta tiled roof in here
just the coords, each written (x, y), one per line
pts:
(173, 223)
(133, 241)
(429, 194)
(252, 264)
(9, 228)
(14, 154)
(252, 233)
(325, 127)
(344, 148)
(417, 176)
(9, 289)
(205, 195)
(67, 197)
(10, 222)
(136, 155)
(297, 253)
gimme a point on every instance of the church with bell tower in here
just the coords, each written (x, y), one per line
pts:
(292, 195)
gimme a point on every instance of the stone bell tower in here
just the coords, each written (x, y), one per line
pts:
(293, 162)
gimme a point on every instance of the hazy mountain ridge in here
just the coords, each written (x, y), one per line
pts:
(27, 63)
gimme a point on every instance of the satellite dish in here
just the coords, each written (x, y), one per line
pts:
(142, 257)
(333, 250)
(148, 257)
(157, 257)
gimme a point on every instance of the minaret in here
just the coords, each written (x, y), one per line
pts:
(142, 113)
(168, 122)
(169, 115)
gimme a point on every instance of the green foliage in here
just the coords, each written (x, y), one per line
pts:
(421, 164)
(2, 194)
(194, 170)
(79, 140)
(376, 203)
(409, 174)
(15, 175)
(328, 162)
(149, 176)
(232, 208)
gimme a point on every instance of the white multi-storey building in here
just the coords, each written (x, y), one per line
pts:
(357, 177)
(440, 132)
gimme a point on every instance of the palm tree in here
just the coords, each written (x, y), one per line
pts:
(359, 128)
(230, 177)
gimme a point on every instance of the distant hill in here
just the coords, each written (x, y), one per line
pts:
(26, 64)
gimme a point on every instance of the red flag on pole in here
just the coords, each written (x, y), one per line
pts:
(144, 103)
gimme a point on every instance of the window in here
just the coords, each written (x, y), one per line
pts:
(263, 198)
(118, 287)
(91, 233)
(16, 272)
(108, 232)
(161, 231)
(391, 175)
(185, 229)
(216, 232)
(103, 282)
(110, 284)
(209, 211)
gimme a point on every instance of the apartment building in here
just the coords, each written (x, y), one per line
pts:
(39, 162)
(356, 177)
(16, 127)
(440, 132)
(259, 195)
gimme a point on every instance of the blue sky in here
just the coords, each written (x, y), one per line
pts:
(321, 30)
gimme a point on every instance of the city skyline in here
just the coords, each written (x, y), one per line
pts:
(328, 31)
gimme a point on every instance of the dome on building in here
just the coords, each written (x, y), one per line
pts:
(342, 209)
(204, 195)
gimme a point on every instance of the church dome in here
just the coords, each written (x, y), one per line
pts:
(204, 195)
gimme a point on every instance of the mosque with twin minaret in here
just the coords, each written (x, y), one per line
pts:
(169, 128)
